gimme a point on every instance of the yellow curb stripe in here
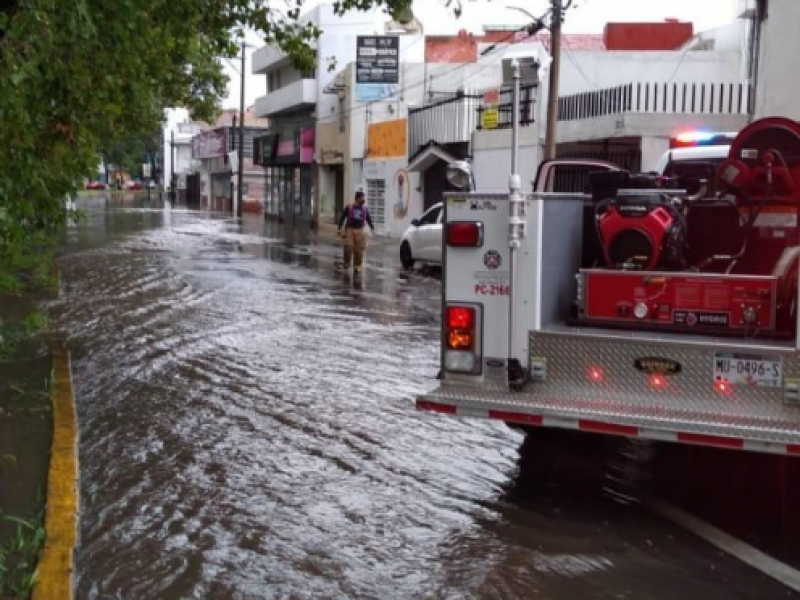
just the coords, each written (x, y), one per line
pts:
(57, 560)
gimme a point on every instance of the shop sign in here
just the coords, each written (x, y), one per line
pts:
(377, 59)
(264, 149)
(210, 143)
(490, 115)
(290, 148)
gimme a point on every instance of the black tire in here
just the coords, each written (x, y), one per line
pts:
(406, 259)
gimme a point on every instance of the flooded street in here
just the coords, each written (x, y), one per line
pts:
(248, 431)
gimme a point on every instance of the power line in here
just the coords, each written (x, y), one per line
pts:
(574, 60)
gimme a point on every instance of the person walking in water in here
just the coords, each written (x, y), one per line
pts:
(355, 217)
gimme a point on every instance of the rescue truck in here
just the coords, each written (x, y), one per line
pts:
(634, 304)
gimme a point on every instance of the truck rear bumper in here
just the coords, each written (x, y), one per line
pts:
(685, 407)
(531, 410)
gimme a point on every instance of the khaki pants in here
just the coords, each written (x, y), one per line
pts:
(355, 240)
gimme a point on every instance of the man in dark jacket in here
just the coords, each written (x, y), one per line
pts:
(355, 217)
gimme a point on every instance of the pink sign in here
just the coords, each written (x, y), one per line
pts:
(307, 145)
(286, 148)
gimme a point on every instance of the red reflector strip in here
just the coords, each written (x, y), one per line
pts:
(710, 440)
(598, 427)
(447, 409)
(515, 417)
(588, 425)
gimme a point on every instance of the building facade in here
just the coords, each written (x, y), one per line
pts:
(304, 179)
(624, 94)
(213, 153)
(774, 44)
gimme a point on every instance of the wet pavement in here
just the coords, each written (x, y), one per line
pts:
(248, 431)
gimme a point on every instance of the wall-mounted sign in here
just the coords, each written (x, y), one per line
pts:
(264, 148)
(490, 116)
(378, 59)
(210, 143)
(289, 147)
(286, 148)
(307, 137)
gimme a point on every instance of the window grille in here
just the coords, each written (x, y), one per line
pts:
(376, 200)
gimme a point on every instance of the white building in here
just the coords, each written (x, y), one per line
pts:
(366, 142)
(295, 102)
(619, 105)
(332, 135)
(182, 152)
(178, 132)
(776, 44)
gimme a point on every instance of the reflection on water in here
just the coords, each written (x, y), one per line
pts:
(247, 431)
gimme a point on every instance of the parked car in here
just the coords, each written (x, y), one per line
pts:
(95, 185)
(422, 241)
(133, 185)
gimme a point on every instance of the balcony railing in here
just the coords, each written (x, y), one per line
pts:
(452, 118)
(297, 95)
(664, 98)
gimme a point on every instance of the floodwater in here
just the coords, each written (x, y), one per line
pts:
(248, 431)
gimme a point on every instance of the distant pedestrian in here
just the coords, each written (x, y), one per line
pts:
(355, 217)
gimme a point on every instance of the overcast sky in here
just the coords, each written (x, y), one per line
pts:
(586, 16)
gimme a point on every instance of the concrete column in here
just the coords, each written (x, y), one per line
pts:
(653, 148)
(777, 86)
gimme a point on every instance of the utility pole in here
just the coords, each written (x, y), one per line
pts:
(172, 181)
(555, 67)
(239, 190)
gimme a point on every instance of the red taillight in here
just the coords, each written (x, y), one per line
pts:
(460, 317)
(465, 234)
(462, 344)
(460, 327)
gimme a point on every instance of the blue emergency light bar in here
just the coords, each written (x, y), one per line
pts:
(688, 139)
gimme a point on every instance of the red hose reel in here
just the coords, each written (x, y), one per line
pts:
(762, 163)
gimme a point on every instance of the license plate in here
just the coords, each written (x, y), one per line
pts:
(744, 369)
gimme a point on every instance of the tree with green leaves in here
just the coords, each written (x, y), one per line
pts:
(81, 75)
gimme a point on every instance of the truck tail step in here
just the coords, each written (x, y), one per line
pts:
(529, 409)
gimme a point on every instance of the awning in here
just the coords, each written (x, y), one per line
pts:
(428, 156)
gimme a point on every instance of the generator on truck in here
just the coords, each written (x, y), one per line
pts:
(663, 308)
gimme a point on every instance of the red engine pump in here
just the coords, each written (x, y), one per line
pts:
(641, 235)
(640, 225)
